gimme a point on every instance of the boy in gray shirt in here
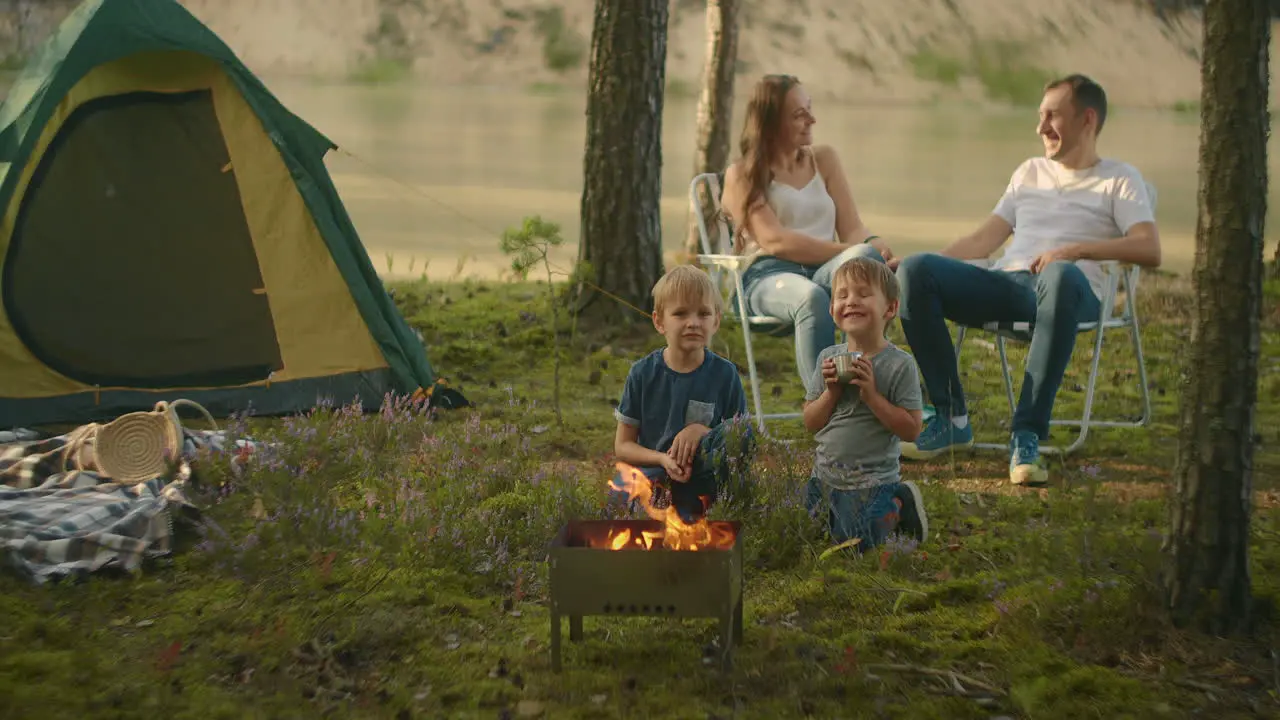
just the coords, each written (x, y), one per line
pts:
(862, 402)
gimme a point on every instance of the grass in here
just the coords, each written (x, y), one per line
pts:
(934, 67)
(563, 48)
(855, 60)
(1005, 69)
(682, 89)
(1008, 74)
(546, 88)
(791, 31)
(379, 71)
(393, 57)
(392, 565)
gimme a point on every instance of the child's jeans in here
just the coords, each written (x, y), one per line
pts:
(869, 514)
(715, 470)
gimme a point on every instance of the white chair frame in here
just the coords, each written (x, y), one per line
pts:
(725, 269)
(1118, 277)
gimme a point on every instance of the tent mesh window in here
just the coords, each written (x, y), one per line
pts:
(131, 262)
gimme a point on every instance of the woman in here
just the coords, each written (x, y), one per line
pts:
(795, 217)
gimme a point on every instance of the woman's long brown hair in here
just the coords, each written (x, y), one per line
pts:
(759, 138)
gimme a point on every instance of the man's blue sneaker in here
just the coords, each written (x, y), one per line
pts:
(1025, 467)
(938, 436)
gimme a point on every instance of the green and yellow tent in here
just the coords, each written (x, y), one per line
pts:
(168, 229)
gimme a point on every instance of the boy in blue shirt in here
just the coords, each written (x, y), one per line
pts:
(681, 405)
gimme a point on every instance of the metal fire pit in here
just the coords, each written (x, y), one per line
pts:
(635, 581)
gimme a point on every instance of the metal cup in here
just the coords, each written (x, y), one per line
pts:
(844, 365)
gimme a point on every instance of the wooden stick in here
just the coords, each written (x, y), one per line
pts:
(935, 672)
(1197, 685)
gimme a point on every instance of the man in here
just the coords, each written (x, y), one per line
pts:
(1066, 211)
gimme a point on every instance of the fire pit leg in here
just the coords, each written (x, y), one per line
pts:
(727, 640)
(555, 641)
(575, 628)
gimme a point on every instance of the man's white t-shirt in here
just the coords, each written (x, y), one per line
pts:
(1049, 206)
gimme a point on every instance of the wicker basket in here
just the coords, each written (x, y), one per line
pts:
(137, 446)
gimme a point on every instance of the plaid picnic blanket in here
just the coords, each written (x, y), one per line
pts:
(55, 523)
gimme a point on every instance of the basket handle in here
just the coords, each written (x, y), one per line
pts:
(171, 409)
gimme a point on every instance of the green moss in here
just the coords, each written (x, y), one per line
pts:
(1087, 692)
(400, 571)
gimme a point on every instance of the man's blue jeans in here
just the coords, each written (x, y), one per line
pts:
(721, 466)
(800, 295)
(936, 288)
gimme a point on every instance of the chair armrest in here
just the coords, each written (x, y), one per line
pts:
(728, 262)
(1118, 266)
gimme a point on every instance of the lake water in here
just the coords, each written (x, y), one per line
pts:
(434, 174)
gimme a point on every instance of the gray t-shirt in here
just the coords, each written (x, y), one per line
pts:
(856, 450)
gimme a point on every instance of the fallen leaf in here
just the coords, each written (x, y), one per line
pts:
(326, 565)
(168, 656)
(259, 511)
(837, 548)
(538, 429)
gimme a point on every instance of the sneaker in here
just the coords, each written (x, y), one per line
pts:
(912, 519)
(938, 436)
(1025, 467)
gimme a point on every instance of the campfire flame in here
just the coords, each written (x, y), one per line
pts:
(676, 533)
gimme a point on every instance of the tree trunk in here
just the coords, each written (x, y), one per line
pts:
(1208, 549)
(715, 106)
(622, 166)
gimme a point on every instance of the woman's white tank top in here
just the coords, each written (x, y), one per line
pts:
(808, 210)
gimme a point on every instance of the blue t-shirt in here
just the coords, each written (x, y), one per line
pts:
(662, 402)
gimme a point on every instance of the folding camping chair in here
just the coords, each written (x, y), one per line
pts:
(725, 269)
(1118, 277)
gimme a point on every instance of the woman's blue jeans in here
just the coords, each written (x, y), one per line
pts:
(800, 295)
